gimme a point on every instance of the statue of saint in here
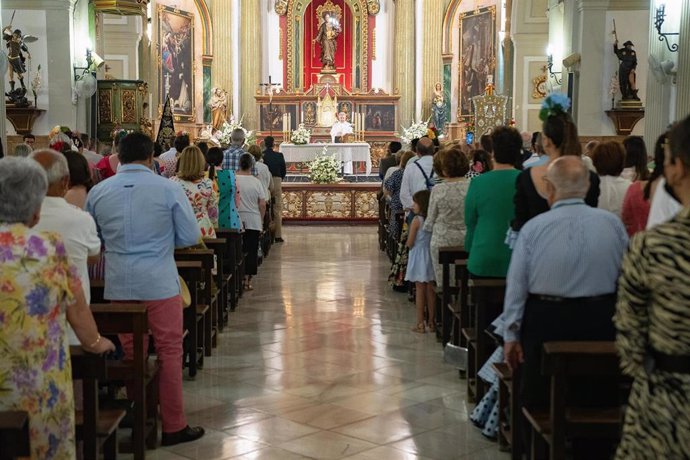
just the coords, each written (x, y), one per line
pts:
(438, 108)
(626, 70)
(328, 33)
(15, 55)
(219, 107)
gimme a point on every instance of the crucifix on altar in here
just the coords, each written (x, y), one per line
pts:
(270, 87)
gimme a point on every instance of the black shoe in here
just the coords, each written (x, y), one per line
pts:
(279, 240)
(187, 434)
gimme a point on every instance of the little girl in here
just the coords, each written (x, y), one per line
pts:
(420, 269)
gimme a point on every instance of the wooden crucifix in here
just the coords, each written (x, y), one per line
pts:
(270, 87)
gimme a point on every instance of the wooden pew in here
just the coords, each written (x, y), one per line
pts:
(392, 244)
(14, 435)
(222, 250)
(447, 256)
(192, 272)
(207, 307)
(236, 287)
(140, 373)
(384, 211)
(564, 420)
(96, 428)
(459, 307)
(487, 303)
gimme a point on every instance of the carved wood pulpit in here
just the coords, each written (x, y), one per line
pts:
(121, 104)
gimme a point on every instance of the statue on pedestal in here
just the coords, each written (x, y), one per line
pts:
(626, 70)
(219, 107)
(328, 33)
(16, 47)
(438, 108)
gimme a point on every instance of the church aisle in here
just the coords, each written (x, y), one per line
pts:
(319, 362)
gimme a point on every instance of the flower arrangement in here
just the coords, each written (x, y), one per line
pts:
(301, 135)
(554, 104)
(224, 134)
(36, 84)
(415, 131)
(324, 168)
(614, 87)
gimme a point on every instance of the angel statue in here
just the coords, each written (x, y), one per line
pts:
(16, 47)
(438, 108)
(219, 107)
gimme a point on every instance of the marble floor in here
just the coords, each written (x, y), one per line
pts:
(319, 362)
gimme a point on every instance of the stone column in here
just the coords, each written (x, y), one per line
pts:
(250, 60)
(432, 60)
(221, 68)
(594, 42)
(404, 68)
(683, 89)
(657, 95)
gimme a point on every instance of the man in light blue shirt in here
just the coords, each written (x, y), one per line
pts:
(141, 218)
(419, 172)
(562, 278)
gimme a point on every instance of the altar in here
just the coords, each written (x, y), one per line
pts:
(346, 153)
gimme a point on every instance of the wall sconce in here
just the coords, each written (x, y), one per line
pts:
(658, 22)
(552, 74)
(93, 62)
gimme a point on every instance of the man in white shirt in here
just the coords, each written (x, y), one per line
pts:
(264, 176)
(340, 127)
(76, 227)
(419, 173)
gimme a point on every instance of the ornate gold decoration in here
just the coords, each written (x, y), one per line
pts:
(374, 6)
(121, 7)
(373, 45)
(281, 46)
(539, 87)
(292, 204)
(281, 7)
(129, 106)
(489, 112)
(105, 106)
(295, 12)
(329, 7)
(366, 205)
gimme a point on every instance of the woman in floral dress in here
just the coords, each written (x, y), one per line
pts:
(199, 189)
(39, 293)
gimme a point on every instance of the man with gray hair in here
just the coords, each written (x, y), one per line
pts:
(561, 284)
(231, 157)
(76, 227)
(22, 150)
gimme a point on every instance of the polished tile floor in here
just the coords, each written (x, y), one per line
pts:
(319, 362)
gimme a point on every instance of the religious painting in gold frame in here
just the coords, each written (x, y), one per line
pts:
(477, 59)
(176, 61)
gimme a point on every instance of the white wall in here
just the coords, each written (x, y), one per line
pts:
(382, 68)
(271, 65)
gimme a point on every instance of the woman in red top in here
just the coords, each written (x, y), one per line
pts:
(636, 204)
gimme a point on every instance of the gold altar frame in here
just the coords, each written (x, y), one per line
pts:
(466, 20)
(361, 9)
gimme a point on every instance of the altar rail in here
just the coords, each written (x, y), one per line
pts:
(330, 203)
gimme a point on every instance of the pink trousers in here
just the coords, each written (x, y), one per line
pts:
(165, 323)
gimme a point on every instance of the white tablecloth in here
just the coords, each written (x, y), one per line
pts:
(344, 152)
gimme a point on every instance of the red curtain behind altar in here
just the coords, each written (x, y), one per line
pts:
(344, 50)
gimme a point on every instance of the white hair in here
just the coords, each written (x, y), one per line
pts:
(23, 185)
(570, 177)
(237, 137)
(58, 168)
(22, 150)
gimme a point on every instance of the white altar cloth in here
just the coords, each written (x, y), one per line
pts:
(346, 153)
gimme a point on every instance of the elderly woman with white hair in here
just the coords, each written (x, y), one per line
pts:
(41, 294)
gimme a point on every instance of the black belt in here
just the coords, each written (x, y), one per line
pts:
(657, 361)
(553, 298)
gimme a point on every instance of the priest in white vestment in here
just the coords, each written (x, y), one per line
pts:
(339, 129)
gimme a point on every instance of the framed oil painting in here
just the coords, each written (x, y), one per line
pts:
(176, 63)
(477, 56)
(379, 117)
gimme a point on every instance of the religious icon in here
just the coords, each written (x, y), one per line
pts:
(438, 108)
(627, 77)
(219, 107)
(329, 30)
(16, 47)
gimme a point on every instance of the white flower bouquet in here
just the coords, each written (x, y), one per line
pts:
(415, 131)
(224, 134)
(36, 84)
(324, 168)
(301, 135)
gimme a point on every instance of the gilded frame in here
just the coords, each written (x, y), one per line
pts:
(477, 71)
(176, 49)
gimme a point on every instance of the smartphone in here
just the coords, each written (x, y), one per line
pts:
(469, 138)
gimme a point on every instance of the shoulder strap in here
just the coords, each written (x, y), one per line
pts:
(426, 178)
